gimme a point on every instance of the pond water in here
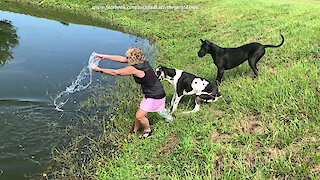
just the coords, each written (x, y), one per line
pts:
(39, 58)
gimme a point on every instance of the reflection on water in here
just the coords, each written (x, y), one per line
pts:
(8, 40)
(47, 58)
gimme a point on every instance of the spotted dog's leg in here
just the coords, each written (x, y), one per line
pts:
(173, 99)
(196, 108)
(176, 102)
(218, 96)
(175, 94)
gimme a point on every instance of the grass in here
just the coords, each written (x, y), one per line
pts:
(268, 128)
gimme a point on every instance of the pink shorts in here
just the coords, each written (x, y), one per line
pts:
(152, 105)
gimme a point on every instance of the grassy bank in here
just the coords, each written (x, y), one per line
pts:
(262, 128)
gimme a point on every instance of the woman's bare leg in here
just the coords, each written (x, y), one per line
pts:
(141, 120)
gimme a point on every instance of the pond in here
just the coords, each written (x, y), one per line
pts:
(39, 58)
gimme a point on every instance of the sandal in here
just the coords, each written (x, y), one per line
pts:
(145, 135)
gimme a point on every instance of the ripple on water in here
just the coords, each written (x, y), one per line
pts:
(29, 129)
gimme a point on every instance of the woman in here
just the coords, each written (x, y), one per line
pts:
(154, 96)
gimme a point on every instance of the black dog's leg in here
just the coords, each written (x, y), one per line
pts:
(219, 75)
(254, 68)
(254, 60)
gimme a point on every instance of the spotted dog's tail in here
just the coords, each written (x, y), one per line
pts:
(273, 46)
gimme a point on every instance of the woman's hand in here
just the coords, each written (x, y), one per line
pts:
(118, 58)
(101, 56)
(97, 69)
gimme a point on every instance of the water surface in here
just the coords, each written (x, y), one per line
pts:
(39, 58)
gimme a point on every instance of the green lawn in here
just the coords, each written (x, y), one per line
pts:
(268, 128)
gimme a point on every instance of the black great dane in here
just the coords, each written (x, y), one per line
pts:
(228, 58)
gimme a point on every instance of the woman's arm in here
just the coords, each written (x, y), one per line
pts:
(118, 58)
(129, 70)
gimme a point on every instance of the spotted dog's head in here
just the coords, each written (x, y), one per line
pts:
(160, 73)
(164, 73)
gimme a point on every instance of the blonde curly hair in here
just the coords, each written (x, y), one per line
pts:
(135, 55)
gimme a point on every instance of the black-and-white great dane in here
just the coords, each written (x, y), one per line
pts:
(187, 84)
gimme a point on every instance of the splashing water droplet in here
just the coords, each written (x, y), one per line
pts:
(83, 81)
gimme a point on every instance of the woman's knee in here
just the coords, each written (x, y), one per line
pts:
(139, 117)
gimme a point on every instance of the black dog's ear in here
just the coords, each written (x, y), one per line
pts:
(201, 40)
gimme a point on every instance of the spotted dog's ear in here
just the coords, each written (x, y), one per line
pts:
(162, 68)
(159, 67)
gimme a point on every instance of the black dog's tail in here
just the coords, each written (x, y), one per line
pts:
(267, 46)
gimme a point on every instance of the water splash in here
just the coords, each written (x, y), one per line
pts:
(83, 81)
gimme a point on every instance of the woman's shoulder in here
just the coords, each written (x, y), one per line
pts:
(142, 66)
